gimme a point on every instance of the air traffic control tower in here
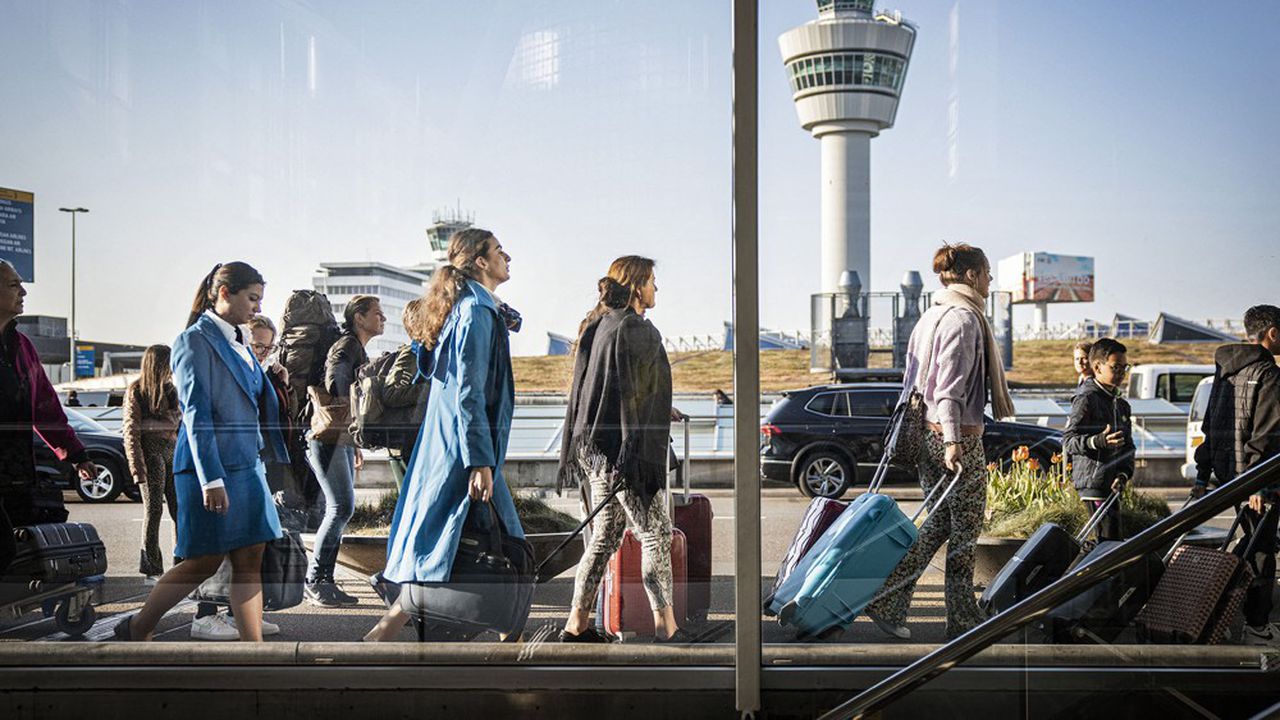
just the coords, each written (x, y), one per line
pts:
(846, 70)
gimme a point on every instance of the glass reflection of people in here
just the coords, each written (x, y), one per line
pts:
(27, 402)
(229, 423)
(617, 430)
(468, 419)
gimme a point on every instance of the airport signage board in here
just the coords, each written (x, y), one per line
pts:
(17, 231)
(85, 357)
(1039, 277)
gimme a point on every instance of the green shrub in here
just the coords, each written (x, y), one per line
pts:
(1021, 496)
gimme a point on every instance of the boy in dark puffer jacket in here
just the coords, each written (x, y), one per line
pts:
(1241, 429)
(1099, 434)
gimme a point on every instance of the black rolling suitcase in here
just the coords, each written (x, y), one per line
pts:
(57, 553)
(489, 588)
(1101, 612)
(1041, 560)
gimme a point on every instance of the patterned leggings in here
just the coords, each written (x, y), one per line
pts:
(157, 494)
(957, 522)
(651, 526)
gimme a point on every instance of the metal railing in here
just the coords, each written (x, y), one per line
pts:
(1153, 539)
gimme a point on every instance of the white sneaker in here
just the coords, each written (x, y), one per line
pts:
(268, 628)
(214, 627)
(1267, 634)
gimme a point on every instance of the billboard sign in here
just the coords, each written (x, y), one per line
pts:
(17, 231)
(1047, 278)
(85, 357)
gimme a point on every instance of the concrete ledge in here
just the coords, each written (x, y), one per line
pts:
(181, 654)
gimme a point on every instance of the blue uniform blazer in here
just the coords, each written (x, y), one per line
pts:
(226, 410)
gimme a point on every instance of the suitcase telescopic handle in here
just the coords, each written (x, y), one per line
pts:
(1255, 537)
(1097, 515)
(943, 498)
(684, 459)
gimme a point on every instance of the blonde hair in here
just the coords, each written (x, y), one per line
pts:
(620, 287)
(413, 318)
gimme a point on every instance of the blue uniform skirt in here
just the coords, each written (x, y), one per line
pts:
(251, 514)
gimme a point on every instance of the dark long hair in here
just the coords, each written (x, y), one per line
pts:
(358, 305)
(620, 287)
(234, 276)
(465, 247)
(155, 383)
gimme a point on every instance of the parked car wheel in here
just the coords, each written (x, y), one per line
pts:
(825, 473)
(105, 486)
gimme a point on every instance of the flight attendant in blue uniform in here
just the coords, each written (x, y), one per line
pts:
(229, 421)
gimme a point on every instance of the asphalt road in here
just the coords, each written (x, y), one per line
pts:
(120, 525)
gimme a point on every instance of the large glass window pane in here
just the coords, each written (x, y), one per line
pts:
(338, 148)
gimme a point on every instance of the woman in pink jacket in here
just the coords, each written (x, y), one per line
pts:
(27, 402)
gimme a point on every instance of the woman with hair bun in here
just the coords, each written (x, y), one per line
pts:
(616, 430)
(953, 361)
(332, 453)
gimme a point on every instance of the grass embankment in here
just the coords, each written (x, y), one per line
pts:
(1035, 363)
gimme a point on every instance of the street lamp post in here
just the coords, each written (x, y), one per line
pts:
(71, 330)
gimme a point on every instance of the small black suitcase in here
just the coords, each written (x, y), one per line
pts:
(1041, 560)
(58, 553)
(1101, 612)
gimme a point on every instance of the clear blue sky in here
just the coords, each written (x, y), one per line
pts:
(287, 134)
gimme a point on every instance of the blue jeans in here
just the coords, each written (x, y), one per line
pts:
(335, 467)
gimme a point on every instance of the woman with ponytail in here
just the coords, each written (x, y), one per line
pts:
(616, 431)
(954, 363)
(468, 418)
(330, 449)
(230, 423)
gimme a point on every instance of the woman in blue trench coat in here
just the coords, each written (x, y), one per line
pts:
(463, 441)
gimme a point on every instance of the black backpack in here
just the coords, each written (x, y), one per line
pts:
(308, 330)
(376, 421)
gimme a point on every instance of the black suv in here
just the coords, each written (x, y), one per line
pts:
(827, 439)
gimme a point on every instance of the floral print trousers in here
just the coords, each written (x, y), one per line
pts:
(956, 522)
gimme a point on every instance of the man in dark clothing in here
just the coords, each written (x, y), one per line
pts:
(1099, 434)
(1241, 429)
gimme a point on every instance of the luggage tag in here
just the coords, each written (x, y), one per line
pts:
(917, 519)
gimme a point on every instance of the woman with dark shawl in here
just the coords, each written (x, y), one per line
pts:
(617, 427)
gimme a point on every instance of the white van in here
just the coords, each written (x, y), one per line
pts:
(1195, 425)
(1175, 383)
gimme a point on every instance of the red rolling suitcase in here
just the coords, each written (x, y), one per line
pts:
(693, 516)
(623, 604)
(626, 605)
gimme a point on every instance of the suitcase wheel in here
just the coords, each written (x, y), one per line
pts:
(22, 534)
(77, 627)
(787, 612)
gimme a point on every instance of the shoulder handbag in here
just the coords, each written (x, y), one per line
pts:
(904, 436)
(330, 416)
(284, 568)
